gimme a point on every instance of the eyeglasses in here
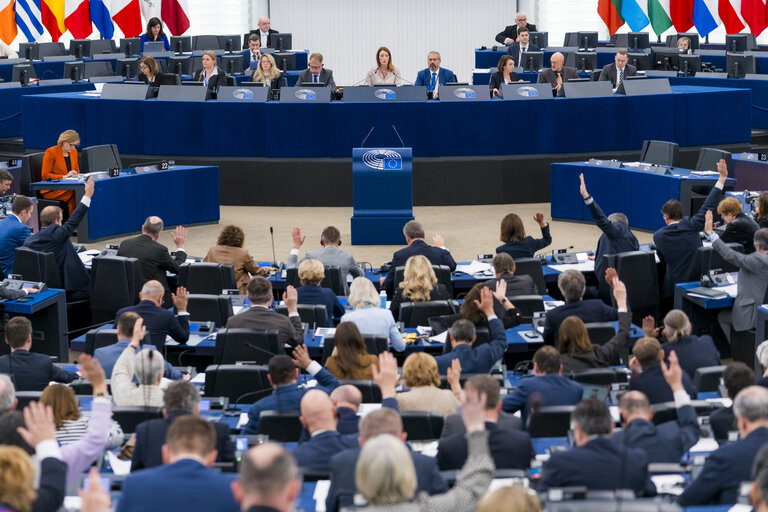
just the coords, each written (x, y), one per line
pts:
(315, 67)
(521, 19)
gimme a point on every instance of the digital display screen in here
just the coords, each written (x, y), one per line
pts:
(241, 444)
(205, 405)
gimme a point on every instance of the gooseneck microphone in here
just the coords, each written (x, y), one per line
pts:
(362, 144)
(272, 236)
(398, 136)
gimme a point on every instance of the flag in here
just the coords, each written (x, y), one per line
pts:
(705, 16)
(634, 15)
(729, 14)
(681, 13)
(174, 15)
(127, 16)
(78, 18)
(8, 29)
(52, 12)
(101, 18)
(28, 18)
(753, 12)
(150, 9)
(658, 14)
(610, 12)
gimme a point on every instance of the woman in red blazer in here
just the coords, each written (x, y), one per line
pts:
(60, 162)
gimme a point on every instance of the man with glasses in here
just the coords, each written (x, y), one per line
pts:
(316, 73)
(508, 36)
(434, 76)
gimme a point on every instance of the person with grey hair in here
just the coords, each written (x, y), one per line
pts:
(616, 237)
(573, 285)
(8, 399)
(331, 253)
(437, 253)
(155, 258)
(161, 322)
(368, 316)
(762, 357)
(147, 366)
(611, 465)
(729, 465)
(269, 480)
(180, 398)
(434, 76)
(508, 36)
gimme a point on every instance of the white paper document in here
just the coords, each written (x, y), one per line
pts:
(583, 266)
(321, 493)
(474, 268)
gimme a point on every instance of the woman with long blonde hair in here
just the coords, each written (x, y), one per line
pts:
(267, 73)
(419, 284)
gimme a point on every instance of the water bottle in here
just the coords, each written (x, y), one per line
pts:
(383, 299)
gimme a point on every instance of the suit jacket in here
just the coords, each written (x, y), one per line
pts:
(184, 485)
(514, 52)
(155, 260)
(343, 488)
(52, 488)
(651, 382)
(12, 235)
(326, 77)
(526, 247)
(551, 389)
(331, 256)
(241, 260)
(752, 285)
(262, 318)
(741, 230)
(693, 352)
(510, 31)
(600, 356)
(30, 371)
(722, 421)
(215, 81)
(313, 294)
(160, 323)
(317, 452)
(435, 255)
(676, 244)
(608, 74)
(497, 80)
(547, 76)
(478, 359)
(150, 437)
(453, 424)
(510, 449)
(55, 239)
(611, 466)
(424, 77)
(615, 239)
(439, 292)
(156, 83)
(723, 472)
(589, 310)
(108, 356)
(666, 442)
(54, 165)
(517, 284)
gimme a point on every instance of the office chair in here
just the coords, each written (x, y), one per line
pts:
(207, 278)
(660, 152)
(253, 345)
(241, 383)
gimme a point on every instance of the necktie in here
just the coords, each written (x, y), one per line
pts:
(621, 75)
(559, 79)
(433, 82)
(254, 57)
(316, 78)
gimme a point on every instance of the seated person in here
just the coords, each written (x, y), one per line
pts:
(505, 75)
(252, 55)
(693, 352)
(319, 418)
(762, 210)
(347, 399)
(17, 474)
(510, 33)
(668, 441)
(60, 162)
(557, 74)
(739, 228)
(368, 316)
(149, 73)
(211, 75)
(229, 250)
(13, 229)
(317, 73)
(617, 71)
(516, 244)
(423, 380)
(510, 449)
(154, 33)
(503, 308)
(311, 275)
(419, 284)
(330, 254)
(647, 374)
(268, 74)
(573, 285)
(350, 359)
(736, 377)
(385, 73)
(547, 386)
(762, 357)
(434, 76)
(608, 462)
(283, 376)
(684, 44)
(147, 366)
(29, 371)
(522, 45)
(517, 284)
(513, 498)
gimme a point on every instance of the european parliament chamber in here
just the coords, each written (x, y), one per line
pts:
(236, 280)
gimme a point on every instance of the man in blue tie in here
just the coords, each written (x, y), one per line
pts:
(434, 76)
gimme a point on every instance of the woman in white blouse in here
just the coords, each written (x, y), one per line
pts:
(385, 73)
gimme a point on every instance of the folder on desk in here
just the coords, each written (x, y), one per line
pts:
(712, 293)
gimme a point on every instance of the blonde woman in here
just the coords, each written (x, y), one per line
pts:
(211, 75)
(423, 380)
(385, 73)
(267, 73)
(419, 285)
(369, 316)
(59, 163)
(311, 274)
(17, 480)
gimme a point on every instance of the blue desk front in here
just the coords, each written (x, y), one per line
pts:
(48, 313)
(181, 195)
(683, 117)
(638, 194)
(10, 104)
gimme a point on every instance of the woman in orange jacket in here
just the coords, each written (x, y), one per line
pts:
(60, 162)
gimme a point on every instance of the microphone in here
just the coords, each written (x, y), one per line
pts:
(228, 46)
(272, 236)
(364, 79)
(259, 349)
(23, 77)
(253, 393)
(362, 144)
(557, 251)
(403, 79)
(73, 75)
(398, 136)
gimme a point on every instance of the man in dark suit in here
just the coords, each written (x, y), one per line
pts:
(596, 462)
(342, 465)
(619, 70)
(269, 480)
(509, 34)
(668, 441)
(154, 257)
(433, 77)
(187, 481)
(316, 73)
(676, 243)
(730, 465)
(260, 316)
(159, 321)
(54, 237)
(29, 371)
(737, 376)
(13, 231)
(251, 53)
(265, 32)
(616, 237)
(286, 395)
(181, 398)
(479, 359)
(573, 285)
(557, 74)
(437, 254)
(647, 374)
(330, 255)
(504, 268)
(319, 417)
(522, 45)
(510, 449)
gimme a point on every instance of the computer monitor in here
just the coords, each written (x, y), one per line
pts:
(130, 46)
(102, 46)
(693, 36)
(582, 60)
(587, 40)
(170, 79)
(181, 44)
(181, 64)
(642, 61)
(22, 73)
(540, 39)
(232, 64)
(127, 68)
(50, 49)
(571, 39)
(281, 42)
(284, 61)
(689, 64)
(154, 47)
(29, 51)
(98, 68)
(666, 59)
(80, 48)
(638, 41)
(75, 71)
(532, 61)
(738, 64)
(230, 43)
(709, 157)
(737, 43)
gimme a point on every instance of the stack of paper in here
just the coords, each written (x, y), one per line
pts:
(475, 267)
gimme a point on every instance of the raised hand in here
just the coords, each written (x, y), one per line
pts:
(611, 276)
(649, 327)
(722, 168)
(91, 370)
(485, 304)
(38, 420)
(139, 330)
(298, 240)
(89, 187)
(539, 218)
(438, 241)
(473, 409)
(583, 187)
(620, 293)
(180, 299)
(301, 356)
(708, 222)
(385, 376)
(179, 236)
(454, 375)
(291, 299)
(501, 290)
(673, 374)
(94, 499)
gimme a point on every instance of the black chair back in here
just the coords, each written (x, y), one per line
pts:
(130, 417)
(597, 377)
(280, 426)
(442, 272)
(422, 425)
(551, 421)
(667, 411)
(31, 168)
(707, 378)
(413, 314)
(375, 345)
(256, 345)
(98, 338)
(600, 332)
(331, 280)
(210, 308)
(716, 261)
(532, 267)
(528, 305)
(637, 269)
(241, 383)
(312, 314)
(708, 158)
(207, 278)
(368, 388)
(100, 158)
(25, 397)
(660, 152)
(37, 266)
(115, 284)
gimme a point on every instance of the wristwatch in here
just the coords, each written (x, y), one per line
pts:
(100, 395)
(504, 300)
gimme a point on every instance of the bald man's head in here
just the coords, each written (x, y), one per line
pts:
(347, 396)
(152, 227)
(50, 215)
(635, 405)
(268, 478)
(556, 61)
(264, 23)
(152, 291)
(317, 411)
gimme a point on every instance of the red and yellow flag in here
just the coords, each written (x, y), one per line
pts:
(53, 17)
